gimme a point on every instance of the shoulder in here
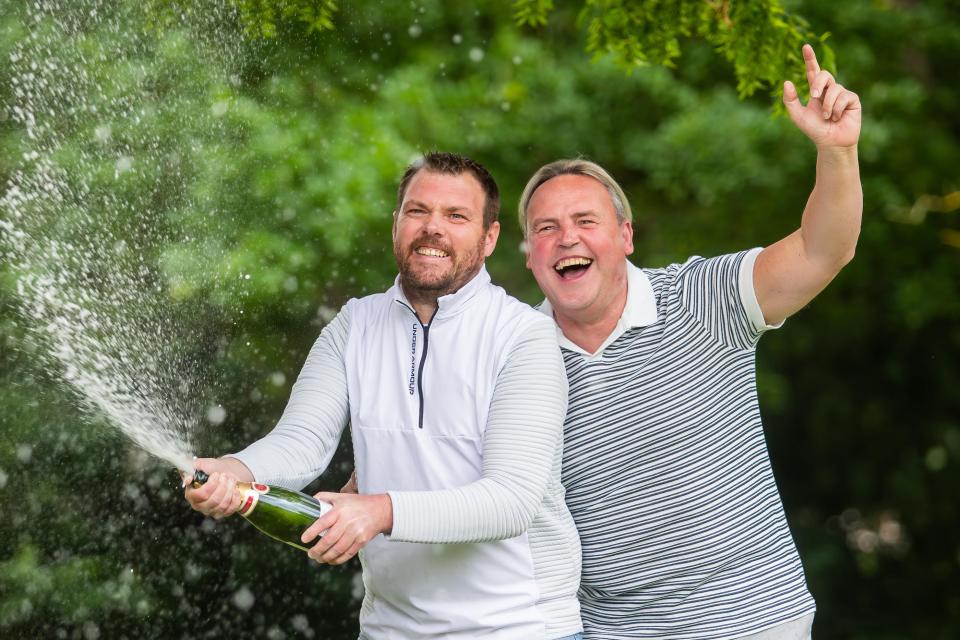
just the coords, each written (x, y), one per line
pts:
(511, 311)
(697, 269)
(360, 310)
(372, 301)
(721, 263)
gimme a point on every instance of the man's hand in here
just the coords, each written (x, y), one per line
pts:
(832, 116)
(218, 497)
(353, 522)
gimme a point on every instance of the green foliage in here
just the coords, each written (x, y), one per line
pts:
(759, 38)
(260, 17)
(62, 590)
(277, 158)
(257, 18)
(532, 13)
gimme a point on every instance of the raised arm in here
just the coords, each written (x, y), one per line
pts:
(791, 272)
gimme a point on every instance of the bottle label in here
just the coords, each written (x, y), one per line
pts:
(250, 500)
(262, 488)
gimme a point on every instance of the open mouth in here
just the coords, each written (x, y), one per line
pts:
(569, 268)
(431, 252)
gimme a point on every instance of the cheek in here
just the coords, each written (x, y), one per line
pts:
(537, 259)
(400, 232)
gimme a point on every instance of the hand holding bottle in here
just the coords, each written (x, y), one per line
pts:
(353, 522)
(218, 496)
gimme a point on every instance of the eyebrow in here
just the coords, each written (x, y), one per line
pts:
(424, 205)
(537, 221)
(552, 218)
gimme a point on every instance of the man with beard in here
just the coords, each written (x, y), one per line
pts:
(665, 465)
(455, 393)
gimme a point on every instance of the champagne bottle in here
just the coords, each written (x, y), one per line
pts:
(282, 514)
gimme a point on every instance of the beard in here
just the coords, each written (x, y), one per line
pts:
(428, 282)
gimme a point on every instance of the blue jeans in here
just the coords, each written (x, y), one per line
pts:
(576, 636)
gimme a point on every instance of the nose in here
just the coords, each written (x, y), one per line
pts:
(431, 225)
(569, 235)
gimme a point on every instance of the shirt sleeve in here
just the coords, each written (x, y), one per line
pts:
(718, 292)
(522, 449)
(749, 295)
(300, 447)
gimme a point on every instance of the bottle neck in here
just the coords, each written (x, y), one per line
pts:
(199, 478)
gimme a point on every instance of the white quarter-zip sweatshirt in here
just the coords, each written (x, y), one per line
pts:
(460, 421)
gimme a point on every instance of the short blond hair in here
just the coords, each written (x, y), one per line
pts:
(576, 167)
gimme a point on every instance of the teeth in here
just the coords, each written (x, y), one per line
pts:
(430, 251)
(572, 262)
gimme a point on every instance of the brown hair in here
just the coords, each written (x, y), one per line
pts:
(455, 164)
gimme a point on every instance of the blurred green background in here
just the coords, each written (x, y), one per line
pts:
(278, 157)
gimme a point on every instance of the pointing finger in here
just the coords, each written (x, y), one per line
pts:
(810, 60)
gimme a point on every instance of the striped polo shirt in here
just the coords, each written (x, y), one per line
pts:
(666, 467)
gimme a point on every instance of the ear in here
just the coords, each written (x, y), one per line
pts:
(626, 232)
(490, 239)
(393, 232)
(526, 252)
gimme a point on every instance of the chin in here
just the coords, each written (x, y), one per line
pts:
(564, 303)
(573, 303)
(430, 281)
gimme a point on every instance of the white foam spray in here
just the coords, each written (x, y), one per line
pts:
(87, 258)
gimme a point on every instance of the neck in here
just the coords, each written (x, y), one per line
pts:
(425, 311)
(424, 300)
(587, 328)
(424, 304)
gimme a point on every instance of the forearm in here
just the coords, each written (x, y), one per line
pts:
(831, 220)
(297, 450)
(521, 455)
(236, 468)
(479, 512)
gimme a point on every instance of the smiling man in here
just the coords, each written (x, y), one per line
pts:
(455, 394)
(665, 464)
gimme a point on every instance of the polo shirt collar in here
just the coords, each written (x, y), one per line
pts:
(639, 311)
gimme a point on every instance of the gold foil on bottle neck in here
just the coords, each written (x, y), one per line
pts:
(249, 499)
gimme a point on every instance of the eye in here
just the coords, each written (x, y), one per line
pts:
(458, 216)
(543, 228)
(587, 222)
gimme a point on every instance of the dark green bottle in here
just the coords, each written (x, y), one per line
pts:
(280, 513)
